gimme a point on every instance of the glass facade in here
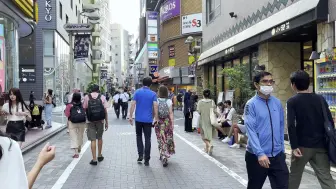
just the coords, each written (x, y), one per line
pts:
(9, 59)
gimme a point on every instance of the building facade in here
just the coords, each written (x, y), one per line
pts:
(280, 35)
(120, 54)
(17, 23)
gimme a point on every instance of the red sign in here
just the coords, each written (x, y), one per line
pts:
(171, 51)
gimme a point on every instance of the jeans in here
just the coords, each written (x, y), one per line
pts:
(277, 172)
(48, 113)
(146, 128)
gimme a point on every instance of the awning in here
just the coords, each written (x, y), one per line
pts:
(229, 46)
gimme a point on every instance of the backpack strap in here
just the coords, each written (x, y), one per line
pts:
(90, 96)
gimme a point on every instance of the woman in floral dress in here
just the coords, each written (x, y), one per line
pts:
(164, 128)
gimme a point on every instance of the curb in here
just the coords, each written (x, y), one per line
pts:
(41, 140)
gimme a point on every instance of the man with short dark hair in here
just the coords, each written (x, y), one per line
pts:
(144, 100)
(306, 133)
(96, 112)
(264, 120)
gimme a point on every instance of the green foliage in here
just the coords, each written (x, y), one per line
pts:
(103, 88)
(239, 80)
(89, 87)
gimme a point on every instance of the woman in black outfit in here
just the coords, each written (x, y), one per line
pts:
(187, 112)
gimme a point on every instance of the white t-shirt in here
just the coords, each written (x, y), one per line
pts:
(13, 117)
(12, 174)
(169, 102)
(230, 115)
(124, 97)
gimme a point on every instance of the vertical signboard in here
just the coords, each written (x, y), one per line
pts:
(81, 49)
(152, 44)
(2, 59)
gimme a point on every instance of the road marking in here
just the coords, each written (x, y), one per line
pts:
(63, 178)
(219, 164)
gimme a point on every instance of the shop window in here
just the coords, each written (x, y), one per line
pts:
(213, 9)
(48, 43)
(61, 10)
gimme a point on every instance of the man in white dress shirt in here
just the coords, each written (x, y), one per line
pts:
(124, 107)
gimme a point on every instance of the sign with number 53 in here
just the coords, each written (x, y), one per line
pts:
(191, 23)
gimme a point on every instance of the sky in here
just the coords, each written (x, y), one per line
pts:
(126, 13)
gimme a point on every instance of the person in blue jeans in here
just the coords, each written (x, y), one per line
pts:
(264, 121)
(143, 101)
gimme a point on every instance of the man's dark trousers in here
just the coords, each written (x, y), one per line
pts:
(117, 109)
(146, 128)
(277, 172)
(124, 109)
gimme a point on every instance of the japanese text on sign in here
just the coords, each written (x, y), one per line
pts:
(280, 28)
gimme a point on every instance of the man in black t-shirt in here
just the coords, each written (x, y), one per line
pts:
(306, 133)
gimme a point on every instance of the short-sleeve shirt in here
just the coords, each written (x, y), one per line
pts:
(144, 98)
(12, 162)
(13, 117)
(169, 102)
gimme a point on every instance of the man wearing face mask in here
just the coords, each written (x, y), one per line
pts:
(264, 121)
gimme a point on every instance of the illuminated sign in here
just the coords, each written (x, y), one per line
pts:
(28, 8)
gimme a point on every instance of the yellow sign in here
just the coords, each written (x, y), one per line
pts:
(191, 59)
(171, 62)
(28, 8)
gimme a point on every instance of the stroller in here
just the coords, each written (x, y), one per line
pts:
(36, 114)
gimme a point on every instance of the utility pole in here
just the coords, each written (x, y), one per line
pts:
(71, 69)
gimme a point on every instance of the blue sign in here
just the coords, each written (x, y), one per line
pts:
(154, 68)
(152, 15)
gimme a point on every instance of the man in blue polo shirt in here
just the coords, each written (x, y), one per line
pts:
(144, 100)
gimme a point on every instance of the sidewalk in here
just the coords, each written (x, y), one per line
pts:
(308, 168)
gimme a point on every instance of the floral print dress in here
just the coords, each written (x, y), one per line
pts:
(165, 137)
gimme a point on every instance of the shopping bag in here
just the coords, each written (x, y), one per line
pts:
(195, 119)
(213, 118)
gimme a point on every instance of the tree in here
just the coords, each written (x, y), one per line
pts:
(239, 80)
(89, 87)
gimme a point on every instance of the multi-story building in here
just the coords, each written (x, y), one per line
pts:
(51, 51)
(120, 53)
(17, 24)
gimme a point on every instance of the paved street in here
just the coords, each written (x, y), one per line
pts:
(189, 168)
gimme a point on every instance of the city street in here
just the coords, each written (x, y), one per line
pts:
(188, 168)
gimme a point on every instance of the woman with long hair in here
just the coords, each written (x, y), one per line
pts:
(76, 118)
(164, 128)
(207, 130)
(48, 108)
(13, 174)
(17, 113)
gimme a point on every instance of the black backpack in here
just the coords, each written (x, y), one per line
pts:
(96, 109)
(77, 114)
(330, 133)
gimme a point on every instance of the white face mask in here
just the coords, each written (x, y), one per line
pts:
(266, 90)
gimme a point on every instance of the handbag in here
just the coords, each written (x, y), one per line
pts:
(330, 133)
(213, 118)
(195, 119)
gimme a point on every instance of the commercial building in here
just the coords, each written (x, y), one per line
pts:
(17, 22)
(280, 35)
(120, 54)
(180, 21)
(51, 49)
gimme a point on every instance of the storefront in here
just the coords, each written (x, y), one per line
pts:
(16, 21)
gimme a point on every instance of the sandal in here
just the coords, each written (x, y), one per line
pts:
(75, 156)
(210, 150)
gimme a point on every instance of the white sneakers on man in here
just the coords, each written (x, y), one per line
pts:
(226, 140)
(235, 145)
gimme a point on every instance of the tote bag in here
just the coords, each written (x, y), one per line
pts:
(195, 119)
(213, 118)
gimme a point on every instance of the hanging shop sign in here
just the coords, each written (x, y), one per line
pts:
(281, 28)
(154, 68)
(152, 54)
(78, 27)
(82, 47)
(103, 74)
(170, 9)
(27, 74)
(152, 61)
(171, 50)
(191, 23)
(152, 38)
(48, 8)
(153, 47)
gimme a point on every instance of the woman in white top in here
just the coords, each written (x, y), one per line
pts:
(164, 128)
(17, 113)
(13, 173)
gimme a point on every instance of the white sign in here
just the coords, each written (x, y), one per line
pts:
(152, 38)
(78, 27)
(152, 54)
(191, 23)
(280, 28)
(48, 10)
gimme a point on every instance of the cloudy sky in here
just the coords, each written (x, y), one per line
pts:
(126, 13)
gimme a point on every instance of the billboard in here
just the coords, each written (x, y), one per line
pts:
(191, 23)
(170, 9)
(81, 49)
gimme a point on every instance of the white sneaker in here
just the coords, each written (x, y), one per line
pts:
(226, 140)
(235, 145)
